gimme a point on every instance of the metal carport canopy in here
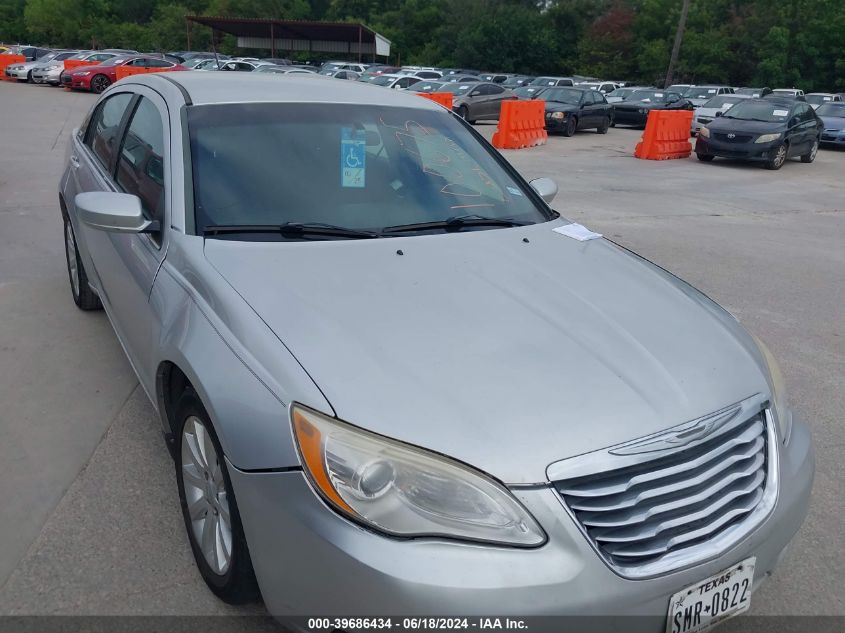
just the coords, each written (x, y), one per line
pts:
(342, 38)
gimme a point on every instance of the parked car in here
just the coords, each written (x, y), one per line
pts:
(50, 72)
(620, 94)
(545, 82)
(191, 55)
(447, 72)
(427, 74)
(345, 442)
(517, 81)
(770, 130)
(698, 95)
(706, 113)
(351, 75)
(357, 68)
(240, 65)
(832, 116)
(754, 92)
(285, 70)
(427, 86)
(31, 53)
(604, 87)
(91, 58)
(394, 81)
(97, 78)
(460, 79)
(23, 71)
(634, 110)
(211, 64)
(120, 51)
(815, 99)
(478, 100)
(278, 61)
(679, 88)
(577, 108)
(496, 78)
(787, 92)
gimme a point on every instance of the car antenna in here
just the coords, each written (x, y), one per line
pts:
(214, 50)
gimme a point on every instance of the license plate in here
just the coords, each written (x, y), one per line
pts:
(712, 600)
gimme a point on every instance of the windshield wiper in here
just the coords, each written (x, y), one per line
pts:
(302, 230)
(453, 224)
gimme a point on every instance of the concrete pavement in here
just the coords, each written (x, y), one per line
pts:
(91, 522)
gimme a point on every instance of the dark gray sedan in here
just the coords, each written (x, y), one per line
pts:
(478, 100)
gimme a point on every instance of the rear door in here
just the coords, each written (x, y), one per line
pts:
(496, 94)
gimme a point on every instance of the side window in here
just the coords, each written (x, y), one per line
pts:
(804, 113)
(160, 63)
(140, 169)
(102, 132)
(495, 90)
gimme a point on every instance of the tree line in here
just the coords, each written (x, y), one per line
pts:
(777, 43)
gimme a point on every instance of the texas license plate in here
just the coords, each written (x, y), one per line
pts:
(712, 600)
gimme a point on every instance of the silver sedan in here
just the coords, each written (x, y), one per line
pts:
(394, 381)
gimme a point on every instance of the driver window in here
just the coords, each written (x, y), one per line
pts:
(140, 169)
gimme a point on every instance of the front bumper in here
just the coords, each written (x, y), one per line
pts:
(311, 562)
(47, 76)
(20, 75)
(744, 151)
(629, 117)
(555, 125)
(698, 123)
(833, 137)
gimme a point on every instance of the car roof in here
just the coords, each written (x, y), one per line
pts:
(210, 88)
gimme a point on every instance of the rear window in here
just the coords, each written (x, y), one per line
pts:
(359, 167)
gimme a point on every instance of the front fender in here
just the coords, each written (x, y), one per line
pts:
(247, 404)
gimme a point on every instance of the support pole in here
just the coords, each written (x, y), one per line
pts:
(188, 31)
(359, 44)
(272, 40)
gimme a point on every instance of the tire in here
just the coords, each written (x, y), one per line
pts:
(613, 124)
(208, 495)
(777, 161)
(99, 83)
(463, 112)
(810, 156)
(705, 158)
(571, 126)
(83, 296)
(605, 125)
(29, 78)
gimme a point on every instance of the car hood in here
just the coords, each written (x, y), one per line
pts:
(554, 106)
(505, 354)
(711, 112)
(833, 122)
(726, 124)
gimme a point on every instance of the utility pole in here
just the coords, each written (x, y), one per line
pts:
(676, 49)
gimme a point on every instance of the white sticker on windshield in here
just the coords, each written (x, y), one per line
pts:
(780, 113)
(353, 156)
(826, 98)
(464, 87)
(711, 92)
(514, 191)
(658, 94)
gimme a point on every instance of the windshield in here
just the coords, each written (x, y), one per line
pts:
(563, 95)
(700, 92)
(382, 80)
(648, 96)
(722, 102)
(542, 81)
(818, 99)
(358, 167)
(759, 111)
(114, 61)
(754, 92)
(621, 92)
(832, 110)
(457, 88)
(428, 86)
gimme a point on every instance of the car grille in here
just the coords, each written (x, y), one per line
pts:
(660, 504)
(738, 138)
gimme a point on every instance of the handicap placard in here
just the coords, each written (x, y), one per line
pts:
(353, 157)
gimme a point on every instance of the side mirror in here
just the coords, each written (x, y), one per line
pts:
(545, 187)
(114, 212)
(719, 113)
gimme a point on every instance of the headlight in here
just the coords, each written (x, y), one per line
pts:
(704, 132)
(82, 73)
(767, 138)
(782, 411)
(558, 115)
(404, 490)
(53, 67)
(15, 67)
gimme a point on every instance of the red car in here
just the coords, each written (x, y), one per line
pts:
(98, 78)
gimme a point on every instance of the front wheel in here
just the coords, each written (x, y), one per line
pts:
(777, 161)
(603, 126)
(706, 158)
(810, 156)
(83, 296)
(99, 83)
(209, 507)
(571, 126)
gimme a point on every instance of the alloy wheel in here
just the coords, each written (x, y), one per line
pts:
(814, 151)
(99, 83)
(205, 495)
(780, 157)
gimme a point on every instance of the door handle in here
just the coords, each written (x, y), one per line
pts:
(74, 161)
